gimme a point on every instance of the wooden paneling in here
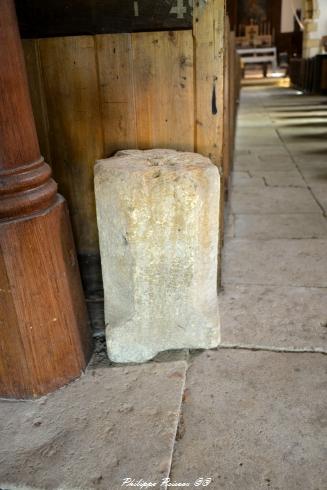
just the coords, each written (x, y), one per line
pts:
(226, 123)
(34, 75)
(114, 54)
(208, 28)
(163, 89)
(309, 74)
(147, 90)
(75, 127)
(209, 41)
(323, 79)
(233, 93)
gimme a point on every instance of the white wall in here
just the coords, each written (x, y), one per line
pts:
(322, 20)
(287, 13)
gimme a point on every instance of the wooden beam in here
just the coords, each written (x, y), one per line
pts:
(90, 17)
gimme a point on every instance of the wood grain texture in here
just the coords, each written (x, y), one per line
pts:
(25, 180)
(75, 127)
(209, 50)
(44, 337)
(227, 110)
(163, 89)
(44, 341)
(114, 54)
(232, 86)
(209, 32)
(19, 144)
(36, 90)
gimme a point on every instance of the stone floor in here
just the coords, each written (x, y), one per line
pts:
(251, 415)
(255, 415)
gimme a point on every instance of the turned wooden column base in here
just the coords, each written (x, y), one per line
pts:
(44, 333)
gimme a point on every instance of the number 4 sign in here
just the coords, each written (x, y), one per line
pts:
(179, 9)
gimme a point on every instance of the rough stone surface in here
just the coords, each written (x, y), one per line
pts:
(111, 424)
(254, 421)
(263, 227)
(249, 136)
(311, 163)
(276, 262)
(274, 317)
(283, 179)
(315, 175)
(263, 162)
(303, 146)
(269, 200)
(320, 193)
(158, 213)
(245, 179)
(263, 177)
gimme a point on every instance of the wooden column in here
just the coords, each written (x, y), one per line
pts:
(44, 335)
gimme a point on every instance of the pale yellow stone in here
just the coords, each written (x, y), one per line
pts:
(311, 43)
(158, 215)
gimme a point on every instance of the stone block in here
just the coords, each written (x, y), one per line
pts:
(158, 216)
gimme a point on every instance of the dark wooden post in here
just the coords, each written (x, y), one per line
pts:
(44, 335)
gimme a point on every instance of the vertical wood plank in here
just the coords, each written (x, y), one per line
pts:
(75, 127)
(35, 82)
(227, 112)
(209, 47)
(208, 31)
(114, 54)
(164, 91)
(232, 94)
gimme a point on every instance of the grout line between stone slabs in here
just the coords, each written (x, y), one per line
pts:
(267, 348)
(267, 285)
(279, 214)
(280, 238)
(179, 422)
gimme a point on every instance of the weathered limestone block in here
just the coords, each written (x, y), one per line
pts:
(158, 215)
